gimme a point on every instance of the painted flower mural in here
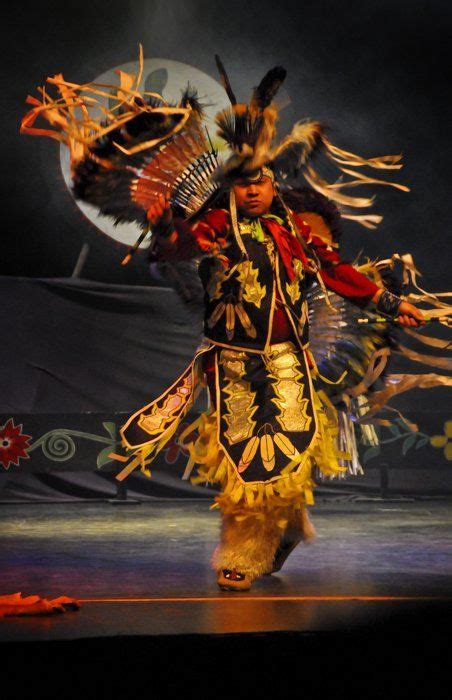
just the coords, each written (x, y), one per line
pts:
(13, 444)
(444, 441)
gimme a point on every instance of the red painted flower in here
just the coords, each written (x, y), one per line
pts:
(172, 450)
(13, 444)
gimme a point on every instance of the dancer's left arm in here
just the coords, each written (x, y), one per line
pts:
(343, 279)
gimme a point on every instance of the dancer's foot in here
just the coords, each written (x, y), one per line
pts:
(286, 546)
(291, 538)
(232, 580)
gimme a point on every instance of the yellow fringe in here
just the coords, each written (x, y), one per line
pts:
(144, 455)
(294, 483)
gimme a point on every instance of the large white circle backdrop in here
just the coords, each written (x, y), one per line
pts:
(169, 78)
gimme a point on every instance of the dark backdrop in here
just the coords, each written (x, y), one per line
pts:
(375, 70)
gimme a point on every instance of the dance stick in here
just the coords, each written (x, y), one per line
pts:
(443, 320)
(132, 250)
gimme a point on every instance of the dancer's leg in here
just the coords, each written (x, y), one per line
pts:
(255, 542)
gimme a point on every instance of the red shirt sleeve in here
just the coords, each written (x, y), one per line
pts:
(207, 235)
(338, 276)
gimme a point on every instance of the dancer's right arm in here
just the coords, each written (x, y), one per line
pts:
(183, 240)
(160, 218)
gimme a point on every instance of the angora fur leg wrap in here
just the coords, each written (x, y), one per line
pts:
(249, 539)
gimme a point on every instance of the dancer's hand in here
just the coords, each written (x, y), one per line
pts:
(409, 315)
(160, 215)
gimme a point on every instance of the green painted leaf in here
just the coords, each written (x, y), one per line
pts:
(409, 442)
(156, 81)
(422, 442)
(111, 430)
(371, 453)
(103, 458)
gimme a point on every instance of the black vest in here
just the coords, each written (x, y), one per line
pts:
(239, 298)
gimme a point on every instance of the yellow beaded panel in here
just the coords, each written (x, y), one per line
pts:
(218, 275)
(253, 291)
(286, 374)
(161, 415)
(293, 288)
(241, 400)
(304, 317)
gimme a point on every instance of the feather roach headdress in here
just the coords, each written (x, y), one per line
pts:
(250, 132)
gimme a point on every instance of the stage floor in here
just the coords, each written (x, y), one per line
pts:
(144, 569)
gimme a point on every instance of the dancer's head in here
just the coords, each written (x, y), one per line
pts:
(254, 193)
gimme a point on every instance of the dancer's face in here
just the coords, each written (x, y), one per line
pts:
(254, 197)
